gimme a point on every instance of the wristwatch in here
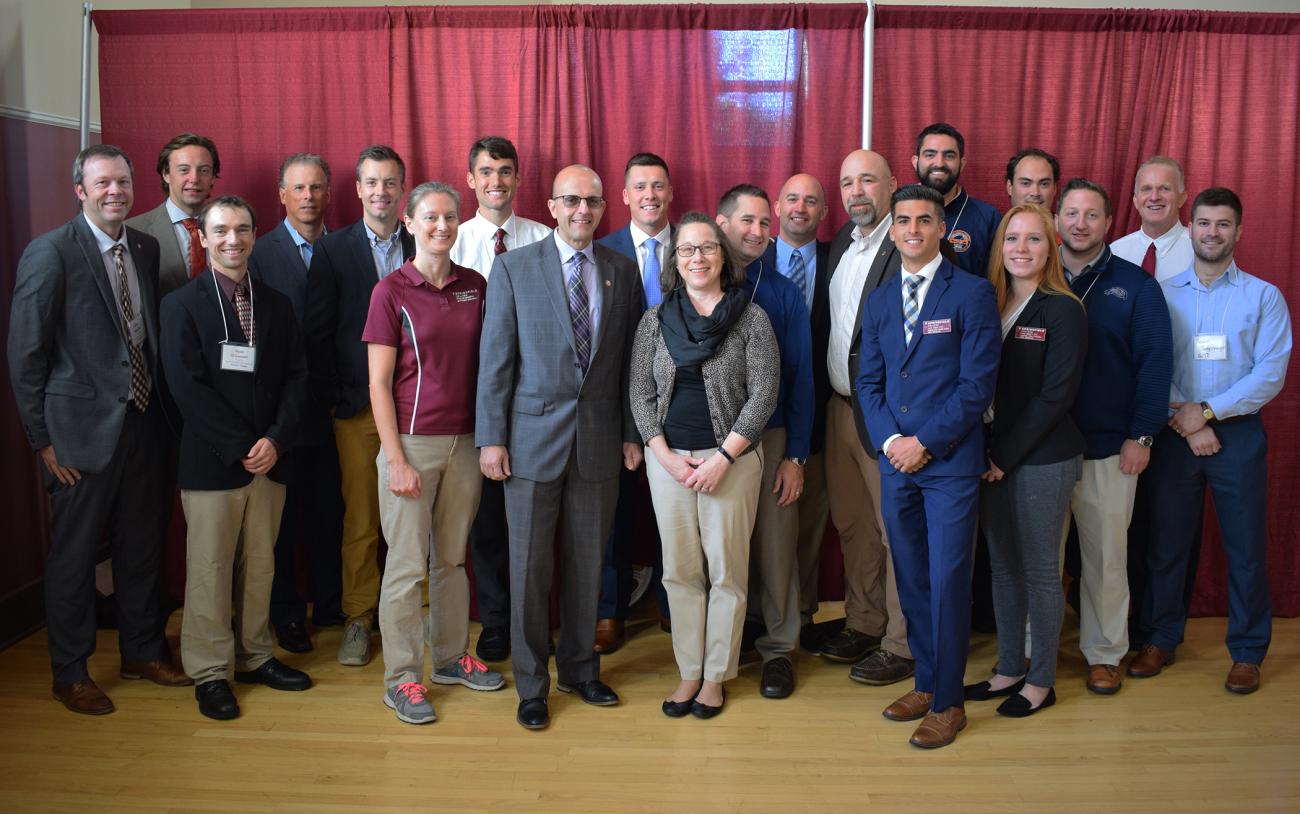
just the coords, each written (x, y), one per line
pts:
(797, 461)
(1146, 441)
(1207, 411)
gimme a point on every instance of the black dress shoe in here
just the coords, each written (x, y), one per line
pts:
(493, 644)
(594, 692)
(276, 675)
(1017, 706)
(814, 635)
(981, 691)
(216, 700)
(329, 619)
(704, 711)
(293, 637)
(778, 678)
(678, 709)
(533, 713)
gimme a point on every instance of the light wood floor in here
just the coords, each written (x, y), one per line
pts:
(1178, 742)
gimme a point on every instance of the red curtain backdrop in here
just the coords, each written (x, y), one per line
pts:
(739, 93)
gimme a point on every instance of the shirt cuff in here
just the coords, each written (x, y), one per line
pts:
(891, 439)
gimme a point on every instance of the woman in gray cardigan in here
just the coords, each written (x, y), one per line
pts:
(704, 381)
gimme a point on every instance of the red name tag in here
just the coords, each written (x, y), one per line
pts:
(1032, 334)
(936, 326)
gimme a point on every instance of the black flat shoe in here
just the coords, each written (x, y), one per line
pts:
(293, 637)
(678, 709)
(276, 675)
(216, 700)
(1017, 706)
(533, 713)
(704, 711)
(594, 692)
(981, 691)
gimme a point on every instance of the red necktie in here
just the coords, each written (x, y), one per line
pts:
(197, 263)
(501, 242)
(1149, 260)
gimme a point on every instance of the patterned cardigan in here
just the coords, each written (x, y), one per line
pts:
(741, 381)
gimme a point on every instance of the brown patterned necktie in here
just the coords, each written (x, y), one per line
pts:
(197, 260)
(244, 308)
(139, 375)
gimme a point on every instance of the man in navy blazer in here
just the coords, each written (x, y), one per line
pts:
(313, 506)
(345, 266)
(931, 341)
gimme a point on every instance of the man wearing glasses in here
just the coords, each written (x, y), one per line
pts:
(554, 423)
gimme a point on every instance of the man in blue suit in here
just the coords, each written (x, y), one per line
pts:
(931, 342)
(647, 191)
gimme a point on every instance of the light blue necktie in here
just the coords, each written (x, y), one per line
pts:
(650, 274)
(798, 274)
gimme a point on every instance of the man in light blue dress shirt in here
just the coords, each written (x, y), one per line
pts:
(1232, 341)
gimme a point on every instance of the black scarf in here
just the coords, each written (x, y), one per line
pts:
(692, 339)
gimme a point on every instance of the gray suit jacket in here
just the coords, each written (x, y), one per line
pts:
(529, 395)
(173, 267)
(68, 360)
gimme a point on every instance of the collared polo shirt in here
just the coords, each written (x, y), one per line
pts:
(436, 332)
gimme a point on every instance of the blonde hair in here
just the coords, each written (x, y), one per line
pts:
(1052, 280)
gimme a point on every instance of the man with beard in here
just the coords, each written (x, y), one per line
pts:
(1162, 246)
(969, 223)
(1032, 176)
(1119, 409)
(1232, 341)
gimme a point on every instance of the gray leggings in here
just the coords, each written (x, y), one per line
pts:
(1022, 516)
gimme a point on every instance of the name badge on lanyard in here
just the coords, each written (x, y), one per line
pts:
(1211, 347)
(239, 357)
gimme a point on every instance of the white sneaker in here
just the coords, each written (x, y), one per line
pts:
(354, 650)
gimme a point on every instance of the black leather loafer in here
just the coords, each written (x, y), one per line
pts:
(293, 637)
(533, 713)
(778, 678)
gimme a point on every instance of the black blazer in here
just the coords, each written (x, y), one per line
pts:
(1042, 365)
(887, 262)
(226, 412)
(339, 283)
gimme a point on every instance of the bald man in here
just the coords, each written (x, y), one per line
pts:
(554, 423)
(862, 255)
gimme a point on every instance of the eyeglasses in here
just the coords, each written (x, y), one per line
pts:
(572, 201)
(686, 251)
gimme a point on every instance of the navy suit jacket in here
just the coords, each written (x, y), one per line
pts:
(938, 387)
(621, 242)
(820, 323)
(277, 262)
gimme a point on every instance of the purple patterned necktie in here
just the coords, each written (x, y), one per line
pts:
(139, 376)
(580, 312)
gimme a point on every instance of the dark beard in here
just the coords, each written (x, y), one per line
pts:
(942, 187)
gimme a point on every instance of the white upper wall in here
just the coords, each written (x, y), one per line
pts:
(40, 40)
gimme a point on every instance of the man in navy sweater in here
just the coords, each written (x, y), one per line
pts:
(1120, 408)
(745, 216)
(969, 223)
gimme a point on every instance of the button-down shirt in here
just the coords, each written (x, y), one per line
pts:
(1173, 250)
(182, 234)
(105, 245)
(304, 245)
(809, 253)
(476, 240)
(846, 286)
(590, 278)
(1252, 316)
(387, 253)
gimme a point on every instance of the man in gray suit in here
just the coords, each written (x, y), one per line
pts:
(554, 422)
(83, 351)
(189, 167)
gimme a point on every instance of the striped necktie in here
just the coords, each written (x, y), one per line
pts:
(580, 312)
(912, 307)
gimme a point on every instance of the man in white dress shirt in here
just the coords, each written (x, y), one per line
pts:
(1162, 246)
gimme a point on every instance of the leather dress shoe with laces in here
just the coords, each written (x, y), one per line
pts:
(1243, 678)
(881, 667)
(276, 675)
(939, 728)
(293, 637)
(533, 713)
(493, 643)
(814, 635)
(84, 697)
(594, 692)
(778, 678)
(216, 700)
(159, 671)
(912, 706)
(849, 645)
(1150, 662)
(1104, 679)
(609, 636)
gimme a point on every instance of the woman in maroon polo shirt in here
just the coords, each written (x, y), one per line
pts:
(423, 332)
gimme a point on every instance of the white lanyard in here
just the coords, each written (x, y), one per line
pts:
(251, 311)
(959, 213)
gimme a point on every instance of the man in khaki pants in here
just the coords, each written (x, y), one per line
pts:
(234, 362)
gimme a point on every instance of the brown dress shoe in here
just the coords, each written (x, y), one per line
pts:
(910, 707)
(939, 728)
(1243, 678)
(85, 697)
(159, 672)
(1150, 662)
(1104, 679)
(609, 636)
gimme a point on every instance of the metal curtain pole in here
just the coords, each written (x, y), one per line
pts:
(868, 54)
(85, 74)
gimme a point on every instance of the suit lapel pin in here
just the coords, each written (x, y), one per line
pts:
(608, 284)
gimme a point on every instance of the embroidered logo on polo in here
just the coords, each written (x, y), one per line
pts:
(960, 240)
(1116, 292)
